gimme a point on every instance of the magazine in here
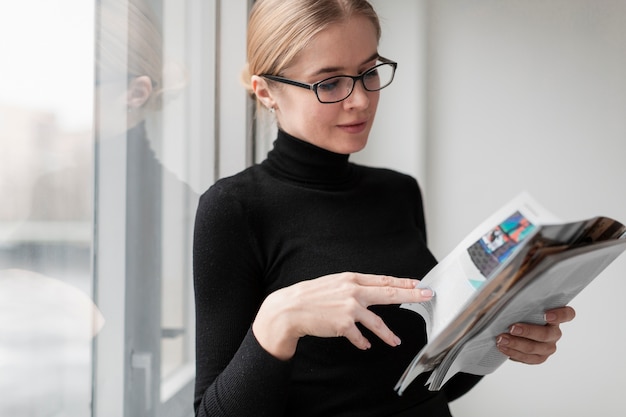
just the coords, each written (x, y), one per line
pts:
(517, 264)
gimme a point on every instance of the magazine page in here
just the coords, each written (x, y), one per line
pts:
(480, 255)
(544, 269)
(554, 283)
(457, 278)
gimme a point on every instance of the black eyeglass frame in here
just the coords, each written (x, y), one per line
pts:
(313, 87)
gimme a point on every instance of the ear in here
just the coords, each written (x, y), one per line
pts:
(262, 91)
(139, 91)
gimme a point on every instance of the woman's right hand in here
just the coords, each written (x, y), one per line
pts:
(330, 306)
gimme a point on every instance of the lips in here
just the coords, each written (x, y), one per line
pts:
(355, 127)
(354, 123)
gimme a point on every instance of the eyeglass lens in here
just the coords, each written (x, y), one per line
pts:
(338, 88)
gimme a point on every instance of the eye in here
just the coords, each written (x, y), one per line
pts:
(373, 73)
(329, 85)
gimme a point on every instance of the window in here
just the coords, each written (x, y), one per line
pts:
(168, 96)
(47, 317)
(101, 167)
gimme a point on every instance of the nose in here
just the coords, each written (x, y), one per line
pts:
(359, 98)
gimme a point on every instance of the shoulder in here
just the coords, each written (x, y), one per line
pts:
(397, 189)
(388, 178)
(229, 190)
(227, 198)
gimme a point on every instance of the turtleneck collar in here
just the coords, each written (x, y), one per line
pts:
(300, 161)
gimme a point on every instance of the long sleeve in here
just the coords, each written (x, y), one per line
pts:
(231, 367)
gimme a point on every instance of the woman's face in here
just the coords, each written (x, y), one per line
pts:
(346, 48)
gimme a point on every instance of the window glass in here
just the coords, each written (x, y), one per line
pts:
(155, 70)
(111, 113)
(47, 317)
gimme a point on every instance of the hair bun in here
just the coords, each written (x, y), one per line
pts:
(245, 79)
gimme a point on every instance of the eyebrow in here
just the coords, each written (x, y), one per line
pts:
(327, 70)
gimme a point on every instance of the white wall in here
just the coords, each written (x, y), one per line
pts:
(518, 95)
(397, 139)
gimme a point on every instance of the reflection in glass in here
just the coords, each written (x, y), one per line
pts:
(142, 125)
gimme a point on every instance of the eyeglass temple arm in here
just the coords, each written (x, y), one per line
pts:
(387, 61)
(288, 81)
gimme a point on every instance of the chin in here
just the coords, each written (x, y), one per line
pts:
(351, 146)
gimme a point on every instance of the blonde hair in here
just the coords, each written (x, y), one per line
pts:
(279, 29)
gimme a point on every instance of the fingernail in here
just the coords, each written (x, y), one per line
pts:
(549, 317)
(427, 292)
(501, 341)
(516, 330)
(398, 341)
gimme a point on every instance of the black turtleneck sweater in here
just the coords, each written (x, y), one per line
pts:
(303, 213)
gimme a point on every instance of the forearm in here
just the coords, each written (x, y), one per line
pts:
(253, 383)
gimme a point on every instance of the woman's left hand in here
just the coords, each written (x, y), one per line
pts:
(534, 343)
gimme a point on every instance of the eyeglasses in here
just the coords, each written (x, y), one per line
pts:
(339, 88)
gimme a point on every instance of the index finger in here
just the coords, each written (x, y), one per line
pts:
(372, 280)
(390, 290)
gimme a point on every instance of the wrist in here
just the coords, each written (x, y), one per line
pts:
(273, 329)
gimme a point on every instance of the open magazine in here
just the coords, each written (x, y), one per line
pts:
(516, 265)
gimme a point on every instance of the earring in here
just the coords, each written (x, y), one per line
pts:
(271, 109)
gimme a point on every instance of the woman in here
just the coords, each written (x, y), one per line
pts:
(300, 262)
